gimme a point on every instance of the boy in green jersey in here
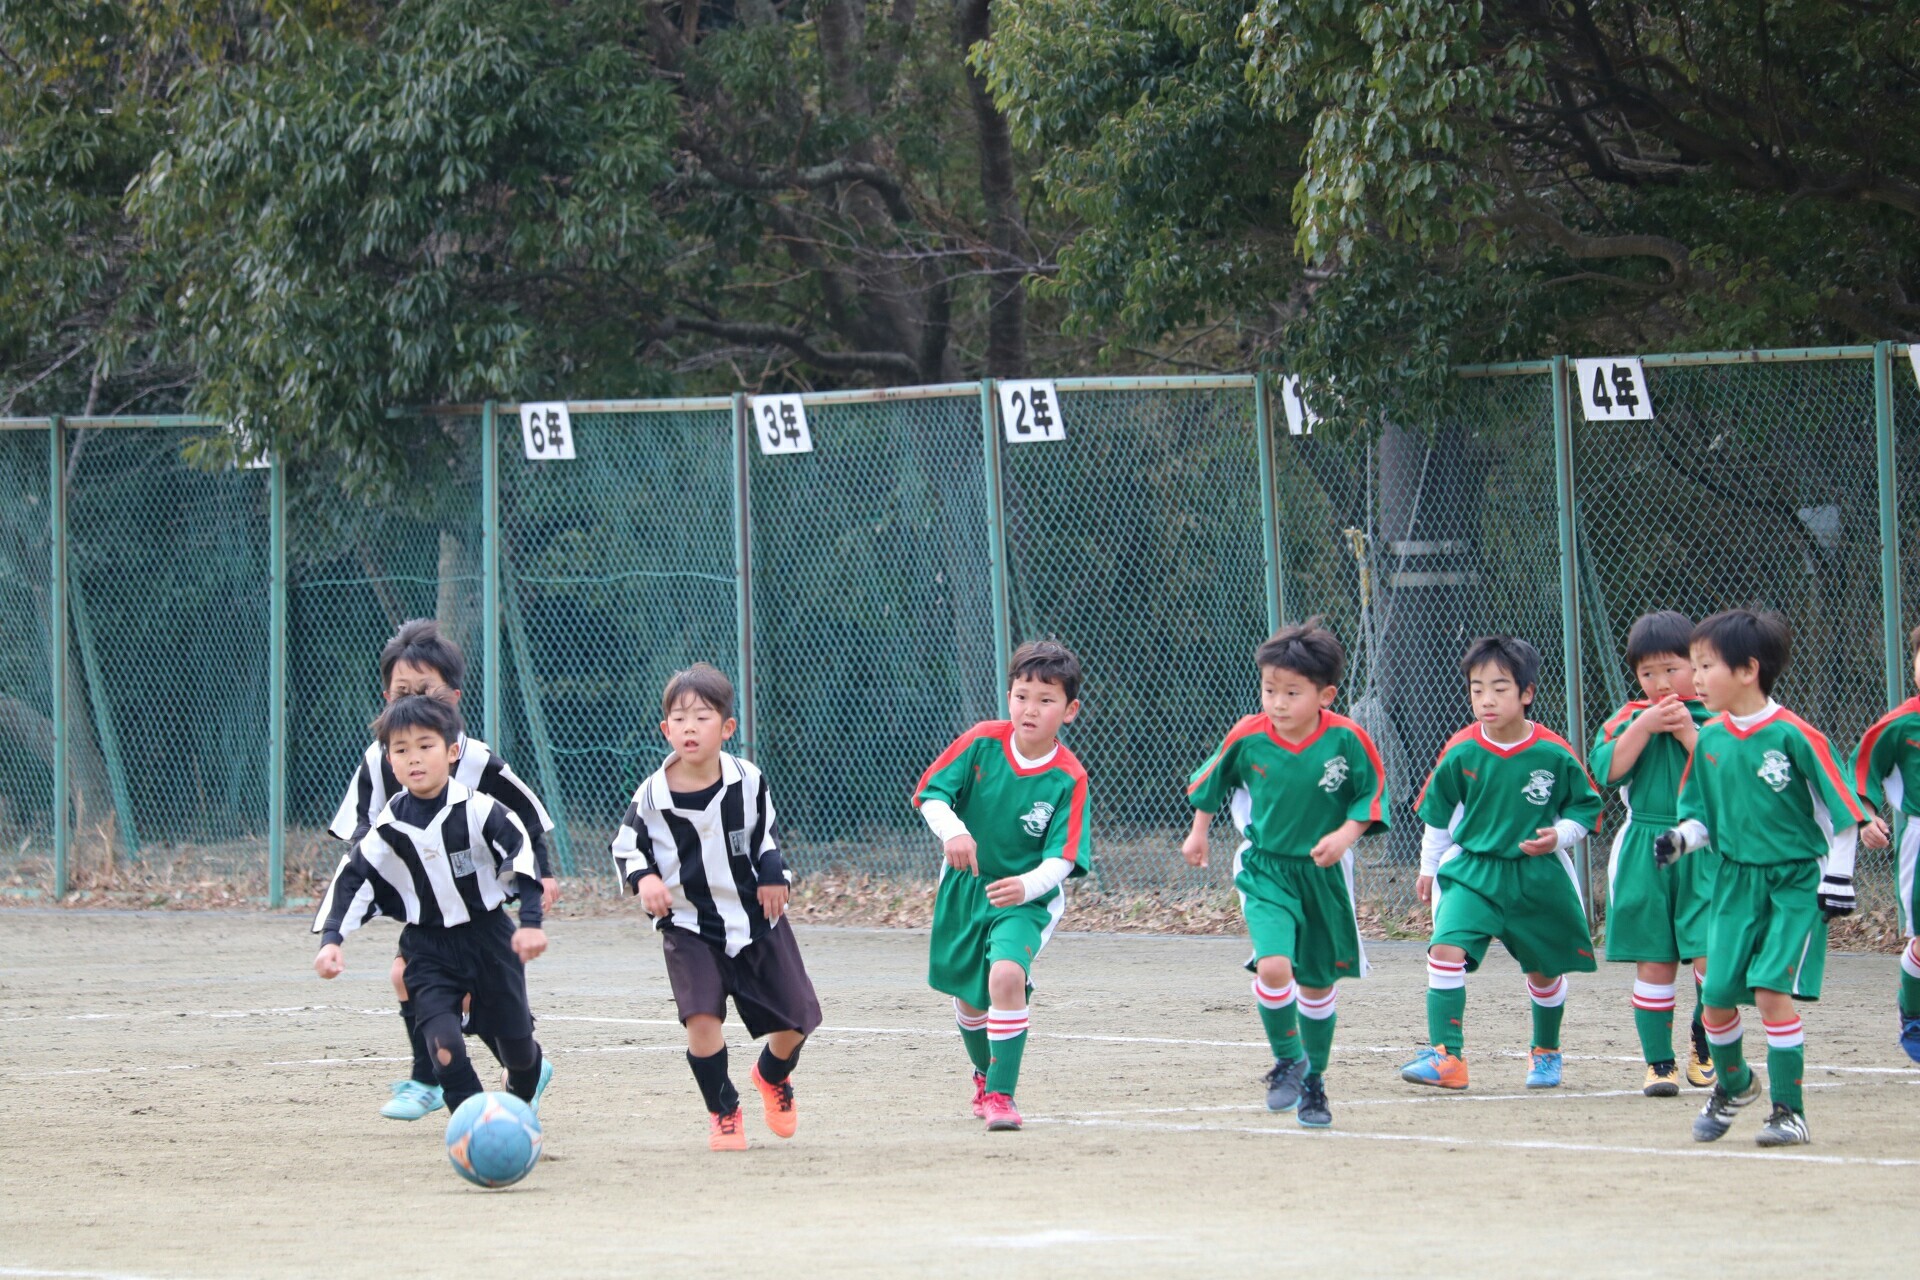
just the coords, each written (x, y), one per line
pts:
(1886, 770)
(1504, 803)
(1009, 804)
(1656, 916)
(1764, 788)
(1312, 783)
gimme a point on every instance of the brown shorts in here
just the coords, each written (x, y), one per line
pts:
(768, 983)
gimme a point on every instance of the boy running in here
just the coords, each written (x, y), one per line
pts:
(1657, 916)
(1886, 770)
(1009, 805)
(1504, 803)
(1313, 784)
(1765, 790)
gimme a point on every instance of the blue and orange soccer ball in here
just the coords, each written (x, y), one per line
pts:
(493, 1140)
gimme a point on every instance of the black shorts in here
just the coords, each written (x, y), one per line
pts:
(769, 985)
(445, 965)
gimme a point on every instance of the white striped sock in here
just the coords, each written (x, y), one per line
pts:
(1321, 1009)
(1446, 975)
(1910, 963)
(1551, 996)
(1791, 1034)
(1274, 997)
(968, 1021)
(1005, 1024)
(1653, 996)
(1726, 1033)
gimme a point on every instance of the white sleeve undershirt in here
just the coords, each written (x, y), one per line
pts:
(1435, 844)
(1839, 860)
(1048, 876)
(1568, 833)
(942, 820)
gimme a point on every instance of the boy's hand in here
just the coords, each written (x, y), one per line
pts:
(549, 890)
(1006, 893)
(1876, 834)
(963, 854)
(1669, 715)
(329, 963)
(655, 898)
(1423, 889)
(1194, 849)
(1545, 840)
(1667, 847)
(529, 944)
(773, 901)
(1331, 848)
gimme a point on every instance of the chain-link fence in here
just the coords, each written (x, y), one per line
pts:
(864, 595)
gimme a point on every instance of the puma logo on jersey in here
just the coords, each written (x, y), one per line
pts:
(1775, 770)
(1034, 821)
(1539, 788)
(1333, 775)
(1257, 769)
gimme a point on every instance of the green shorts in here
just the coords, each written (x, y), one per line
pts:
(1765, 932)
(969, 935)
(1303, 912)
(1656, 914)
(1530, 904)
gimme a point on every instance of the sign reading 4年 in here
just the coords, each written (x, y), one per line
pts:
(1030, 411)
(547, 432)
(780, 423)
(1613, 390)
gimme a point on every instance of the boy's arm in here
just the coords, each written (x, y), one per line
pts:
(499, 782)
(1618, 746)
(945, 784)
(1367, 784)
(1876, 758)
(633, 847)
(510, 844)
(337, 904)
(1218, 775)
(769, 864)
(1069, 842)
(1841, 815)
(354, 818)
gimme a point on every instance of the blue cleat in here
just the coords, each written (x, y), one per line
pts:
(1436, 1067)
(411, 1100)
(1910, 1035)
(1545, 1071)
(546, 1078)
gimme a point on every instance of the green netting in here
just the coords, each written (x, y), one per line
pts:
(1137, 540)
(356, 570)
(168, 708)
(620, 571)
(26, 699)
(872, 622)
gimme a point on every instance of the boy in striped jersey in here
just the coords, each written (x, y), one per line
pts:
(1008, 803)
(445, 859)
(1504, 803)
(1657, 916)
(1313, 783)
(701, 847)
(1886, 770)
(416, 660)
(1764, 789)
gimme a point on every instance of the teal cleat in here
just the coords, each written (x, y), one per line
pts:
(546, 1078)
(1545, 1071)
(412, 1100)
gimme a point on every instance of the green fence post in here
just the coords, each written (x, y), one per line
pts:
(277, 684)
(1571, 668)
(996, 541)
(57, 639)
(1269, 512)
(490, 573)
(1890, 602)
(743, 572)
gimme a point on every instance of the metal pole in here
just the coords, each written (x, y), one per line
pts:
(490, 573)
(743, 571)
(1570, 593)
(996, 540)
(1890, 602)
(1269, 509)
(277, 684)
(57, 640)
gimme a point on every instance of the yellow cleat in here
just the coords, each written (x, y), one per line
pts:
(1700, 1072)
(1663, 1080)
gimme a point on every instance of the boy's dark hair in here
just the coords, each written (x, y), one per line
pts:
(419, 643)
(1741, 636)
(1306, 649)
(1048, 661)
(419, 711)
(1655, 634)
(1512, 655)
(1913, 640)
(702, 682)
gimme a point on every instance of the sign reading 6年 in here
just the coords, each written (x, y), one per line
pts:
(547, 432)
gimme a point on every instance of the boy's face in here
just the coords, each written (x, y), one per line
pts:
(1665, 674)
(408, 679)
(1916, 668)
(1499, 701)
(1292, 701)
(1038, 708)
(696, 729)
(1723, 687)
(422, 760)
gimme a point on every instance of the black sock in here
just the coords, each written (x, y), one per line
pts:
(711, 1073)
(422, 1064)
(773, 1070)
(456, 1075)
(521, 1058)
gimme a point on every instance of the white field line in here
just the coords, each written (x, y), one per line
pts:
(1532, 1095)
(70, 1275)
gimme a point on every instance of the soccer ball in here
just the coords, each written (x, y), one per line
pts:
(493, 1140)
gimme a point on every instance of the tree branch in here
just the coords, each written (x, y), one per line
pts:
(890, 363)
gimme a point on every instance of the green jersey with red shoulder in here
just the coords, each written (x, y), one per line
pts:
(1299, 791)
(1886, 767)
(1018, 815)
(1651, 788)
(1491, 796)
(1770, 793)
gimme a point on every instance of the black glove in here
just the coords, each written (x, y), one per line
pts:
(1836, 896)
(1668, 846)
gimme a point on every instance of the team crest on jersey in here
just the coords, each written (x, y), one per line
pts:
(1776, 770)
(1333, 775)
(1539, 788)
(737, 844)
(1034, 821)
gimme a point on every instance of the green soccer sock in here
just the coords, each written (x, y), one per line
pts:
(1730, 1056)
(1699, 1003)
(1317, 1035)
(1007, 1040)
(1446, 1018)
(1549, 1008)
(973, 1034)
(1786, 1067)
(1653, 1019)
(1280, 1015)
(1909, 983)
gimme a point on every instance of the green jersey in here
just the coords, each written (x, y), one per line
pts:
(1769, 793)
(1886, 768)
(1491, 797)
(1019, 816)
(1298, 791)
(1651, 789)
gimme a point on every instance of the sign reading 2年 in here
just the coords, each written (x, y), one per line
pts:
(1030, 411)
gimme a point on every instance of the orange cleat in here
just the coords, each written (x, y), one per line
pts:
(1436, 1067)
(728, 1132)
(778, 1102)
(979, 1095)
(1001, 1114)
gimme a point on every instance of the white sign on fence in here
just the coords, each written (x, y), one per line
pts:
(780, 424)
(1030, 412)
(1300, 416)
(547, 432)
(1613, 390)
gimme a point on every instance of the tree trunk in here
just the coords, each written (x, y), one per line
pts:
(1006, 229)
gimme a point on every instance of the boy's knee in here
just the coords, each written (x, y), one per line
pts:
(1007, 983)
(517, 1055)
(1447, 953)
(1274, 971)
(444, 1039)
(397, 975)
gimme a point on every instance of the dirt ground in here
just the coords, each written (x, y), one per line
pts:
(198, 1104)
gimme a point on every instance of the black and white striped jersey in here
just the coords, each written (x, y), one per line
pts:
(479, 768)
(714, 859)
(448, 867)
